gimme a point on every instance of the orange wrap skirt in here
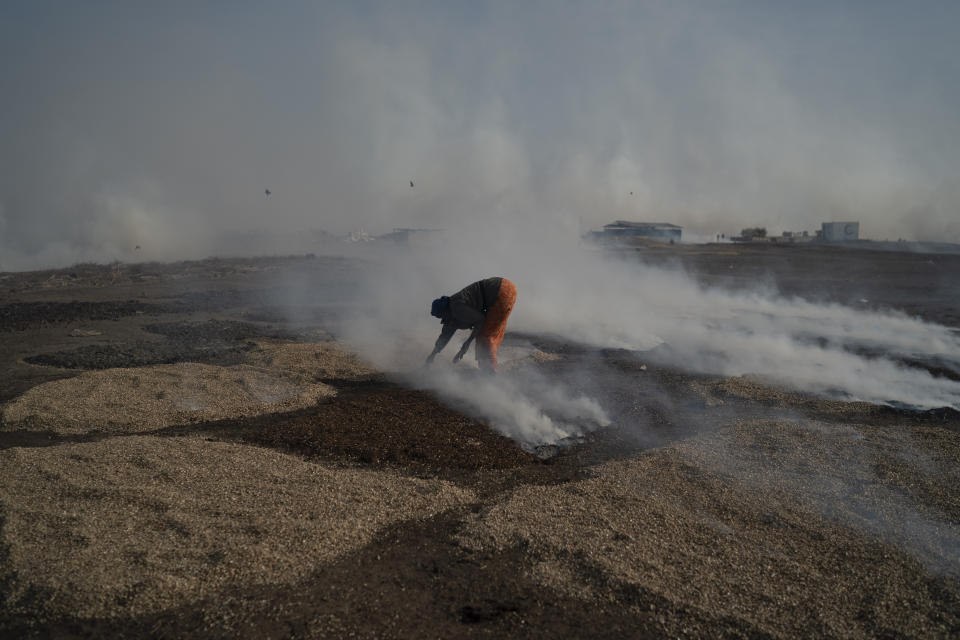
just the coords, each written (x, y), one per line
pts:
(495, 325)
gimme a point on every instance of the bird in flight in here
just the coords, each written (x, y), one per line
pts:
(266, 191)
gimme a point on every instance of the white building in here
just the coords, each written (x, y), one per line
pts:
(840, 231)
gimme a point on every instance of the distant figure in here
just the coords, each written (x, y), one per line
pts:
(483, 307)
(266, 191)
(411, 183)
(136, 248)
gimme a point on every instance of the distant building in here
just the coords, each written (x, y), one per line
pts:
(623, 229)
(751, 234)
(792, 237)
(840, 231)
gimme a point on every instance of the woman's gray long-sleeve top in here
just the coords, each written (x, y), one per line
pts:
(468, 309)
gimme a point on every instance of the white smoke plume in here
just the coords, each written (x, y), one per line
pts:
(521, 405)
(589, 298)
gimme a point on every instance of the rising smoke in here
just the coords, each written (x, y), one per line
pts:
(161, 128)
(592, 299)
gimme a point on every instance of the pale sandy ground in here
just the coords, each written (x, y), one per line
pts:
(774, 522)
(134, 524)
(279, 377)
(693, 522)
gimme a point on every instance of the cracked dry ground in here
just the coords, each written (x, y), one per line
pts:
(710, 507)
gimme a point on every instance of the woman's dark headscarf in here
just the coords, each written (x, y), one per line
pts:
(439, 306)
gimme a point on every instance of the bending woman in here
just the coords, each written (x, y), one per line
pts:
(482, 307)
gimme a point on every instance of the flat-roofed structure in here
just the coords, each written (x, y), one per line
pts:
(653, 230)
(840, 231)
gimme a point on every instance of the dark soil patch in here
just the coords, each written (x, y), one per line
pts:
(919, 284)
(13, 386)
(220, 299)
(389, 424)
(378, 424)
(221, 342)
(26, 438)
(937, 367)
(19, 316)
(323, 316)
(893, 417)
(141, 354)
(215, 331)
(940, 366)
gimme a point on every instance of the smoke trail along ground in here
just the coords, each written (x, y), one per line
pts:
(519, 404)
(806, 346)
(587, 298)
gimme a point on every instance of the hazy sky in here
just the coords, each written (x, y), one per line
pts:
(161, 124)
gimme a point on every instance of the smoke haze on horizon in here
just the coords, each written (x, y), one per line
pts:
(128, 125)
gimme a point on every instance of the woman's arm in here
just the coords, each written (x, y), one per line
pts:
(466, 345)
(445, 335)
